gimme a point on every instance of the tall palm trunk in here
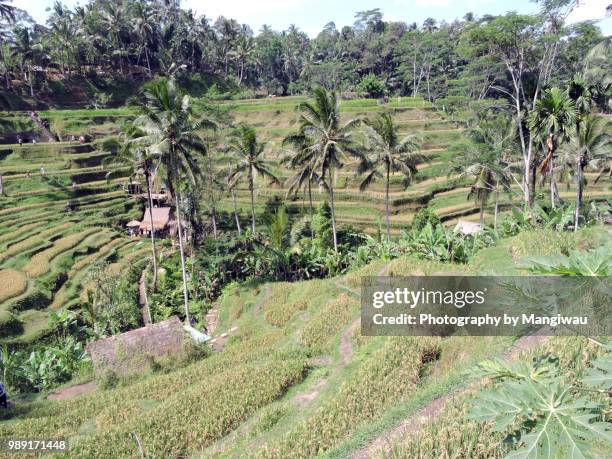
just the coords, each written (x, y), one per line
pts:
(150, 198)
(554, 192)
(579, 189)
(236, 211)
(387, 204)
(213, 209)
(496, 204)
(251, 190)
(148, 61)
(482, 209)
(182, 250)
(311, 210)
(333, 208)
(7, 78)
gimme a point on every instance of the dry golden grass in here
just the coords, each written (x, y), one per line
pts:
(39, 263)
(32, 241)
(12, 284)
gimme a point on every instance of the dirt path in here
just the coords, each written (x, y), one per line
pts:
(345, 349)
(41, 125)
(416, 421)
(72, 391)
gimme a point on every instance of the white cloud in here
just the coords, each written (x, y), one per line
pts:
(244, 11)
(588, 10)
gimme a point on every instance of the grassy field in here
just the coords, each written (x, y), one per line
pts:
(296, 379)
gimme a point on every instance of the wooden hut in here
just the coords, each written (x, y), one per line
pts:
(161, 221)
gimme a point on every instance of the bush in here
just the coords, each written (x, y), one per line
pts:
(371, 85)
(322, 226)
(424, 216)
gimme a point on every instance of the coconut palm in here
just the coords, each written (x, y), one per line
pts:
(143, 24)
(297, 158)
(171, 131)
(141, 162)
(389, 155)
(243, 143)
(7, 11)
(231, 181)
(328, 142)
(245, 55)
(591, 147)
(553, 118)
(488, 170)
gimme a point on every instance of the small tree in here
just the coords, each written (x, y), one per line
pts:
(244, 144)
(389, 155)
(552, 120)
(372, 86)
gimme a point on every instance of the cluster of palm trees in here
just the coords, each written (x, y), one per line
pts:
(167, 139)
(564, 121)
(141, 39)
(569, 136)
(324, 144)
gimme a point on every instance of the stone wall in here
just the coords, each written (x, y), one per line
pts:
(131, 350)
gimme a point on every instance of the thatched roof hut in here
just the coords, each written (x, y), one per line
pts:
(161, 218)
(465, 227)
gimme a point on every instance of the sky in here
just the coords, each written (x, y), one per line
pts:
(311, 15)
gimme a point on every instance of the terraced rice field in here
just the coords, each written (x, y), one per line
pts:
(40, 239)
(42, 242)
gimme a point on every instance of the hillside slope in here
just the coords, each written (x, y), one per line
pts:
(294, 378)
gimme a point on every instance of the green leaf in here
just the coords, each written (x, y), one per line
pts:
(551, 422)
(600, 375)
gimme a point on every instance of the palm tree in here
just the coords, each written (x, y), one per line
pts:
(144, 26)
(389, 155)
(24, 49)
(553, 116)
(7, 11)
(299, 159)
(142, 163)
(590, 146)
(328, 143)
(231, 182)
(487, 169)
(113, 20)
(244, 55)
(243, 143)
(171, 132)
(497, 137)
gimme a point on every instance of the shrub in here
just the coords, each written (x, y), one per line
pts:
(424, 216)
(542, 242)
(371, 85)
(322, 226)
